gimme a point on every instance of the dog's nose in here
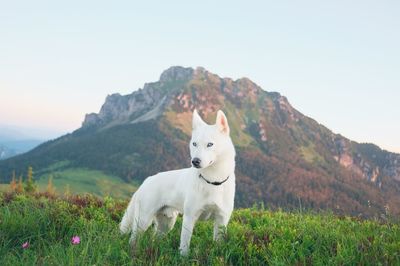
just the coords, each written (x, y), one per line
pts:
(196, 162)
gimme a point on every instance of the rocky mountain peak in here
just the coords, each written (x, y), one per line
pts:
(183, 89)
(176, 73)
(248, 84)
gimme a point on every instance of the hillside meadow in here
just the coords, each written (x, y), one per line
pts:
(38, 229)
(81, 180)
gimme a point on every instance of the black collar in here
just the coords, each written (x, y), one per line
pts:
(213, 183)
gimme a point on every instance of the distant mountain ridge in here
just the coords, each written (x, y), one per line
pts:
(6, 152)
(9, 148)
(13, 142)
(284, 158)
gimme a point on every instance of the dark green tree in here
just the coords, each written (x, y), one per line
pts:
(30, 185)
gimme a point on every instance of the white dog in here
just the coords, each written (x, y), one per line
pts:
(206, 190)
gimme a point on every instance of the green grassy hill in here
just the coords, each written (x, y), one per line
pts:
(254, 237)
(82, 180)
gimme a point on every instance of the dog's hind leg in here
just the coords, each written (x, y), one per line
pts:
(139, 225)
(165, 220)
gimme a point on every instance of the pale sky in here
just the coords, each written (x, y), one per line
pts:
(337, 62)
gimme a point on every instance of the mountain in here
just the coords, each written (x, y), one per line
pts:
(9, 148)
(6, 152)
(16, 140)
(284, 158)
(17, 133)
(21, 146)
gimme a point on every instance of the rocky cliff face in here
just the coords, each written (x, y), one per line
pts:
(122, 109)
(366, 160)
(392, 167)
(119, 109)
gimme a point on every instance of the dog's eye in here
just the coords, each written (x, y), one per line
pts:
(209, 144)
(194, 144)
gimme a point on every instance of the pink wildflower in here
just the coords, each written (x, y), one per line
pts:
(75, 240)
(25, 245)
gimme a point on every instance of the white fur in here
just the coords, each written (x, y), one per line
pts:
(163, 196)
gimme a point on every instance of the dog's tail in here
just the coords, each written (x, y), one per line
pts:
(127, 220)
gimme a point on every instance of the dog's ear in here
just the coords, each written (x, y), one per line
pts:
(222, 122)
(197, 121)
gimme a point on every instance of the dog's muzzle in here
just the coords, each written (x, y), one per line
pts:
(196, 162)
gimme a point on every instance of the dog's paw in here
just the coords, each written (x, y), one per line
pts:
(184, 252)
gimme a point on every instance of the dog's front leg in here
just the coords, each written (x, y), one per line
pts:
(186, 233)
(220, 223)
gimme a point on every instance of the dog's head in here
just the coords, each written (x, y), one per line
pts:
(208, 141)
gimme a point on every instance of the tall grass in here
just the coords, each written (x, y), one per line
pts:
(253, 237)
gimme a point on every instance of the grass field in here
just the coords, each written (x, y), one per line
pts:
(89, 181)
(80, 180)
(254, 237)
